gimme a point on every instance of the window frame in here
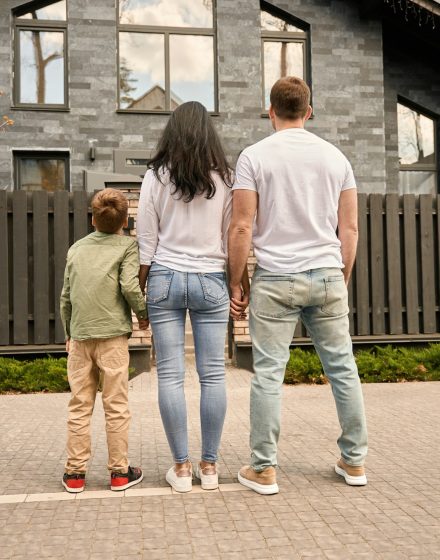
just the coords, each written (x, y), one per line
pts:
(166, 31)
(19, 25)
(428, 167)
(19, 155)
(302, 37)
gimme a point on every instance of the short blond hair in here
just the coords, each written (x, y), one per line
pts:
(110, 210)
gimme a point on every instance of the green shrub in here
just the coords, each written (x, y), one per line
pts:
(304, 367)
(47, 375)
(381, 364)
(44, 374)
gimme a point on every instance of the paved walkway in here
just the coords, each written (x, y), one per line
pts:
(316, 516)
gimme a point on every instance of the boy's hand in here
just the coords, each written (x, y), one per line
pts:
(68, 345)
(144, 324)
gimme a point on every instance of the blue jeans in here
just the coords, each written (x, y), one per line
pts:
(169, 294)
(319, 297)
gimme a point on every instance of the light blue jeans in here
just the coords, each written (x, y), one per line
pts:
(169, 294)
(319, 297)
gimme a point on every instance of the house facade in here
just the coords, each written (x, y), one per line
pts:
(89, 85)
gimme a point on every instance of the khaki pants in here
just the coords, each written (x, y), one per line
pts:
(87, 359)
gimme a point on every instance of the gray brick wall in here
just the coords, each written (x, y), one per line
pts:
(347, 75)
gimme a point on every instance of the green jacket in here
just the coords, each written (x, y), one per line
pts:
(101, 286)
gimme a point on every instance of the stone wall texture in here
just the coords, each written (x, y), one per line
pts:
(347, 78)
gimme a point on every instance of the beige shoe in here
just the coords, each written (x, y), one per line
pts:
(264, 482)
(354, 476)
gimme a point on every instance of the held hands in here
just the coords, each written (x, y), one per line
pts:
(239, 302)
(143, 324)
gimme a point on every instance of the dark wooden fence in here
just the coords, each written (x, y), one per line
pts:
(394, 293)
(36, 230)
(395, 288)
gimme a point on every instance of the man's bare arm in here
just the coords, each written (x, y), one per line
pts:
(244, 207)
(348, 229)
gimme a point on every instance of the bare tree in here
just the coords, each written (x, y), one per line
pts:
(41, 63)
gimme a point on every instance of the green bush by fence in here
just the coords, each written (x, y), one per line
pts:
(48, 375)
(381, 364)
(45, 374)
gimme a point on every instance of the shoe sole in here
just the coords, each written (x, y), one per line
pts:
(72, 490)
(129, 485)
(264, 489)
(351, 480)
(181, 490)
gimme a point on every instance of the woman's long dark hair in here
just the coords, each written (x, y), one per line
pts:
(190, 150)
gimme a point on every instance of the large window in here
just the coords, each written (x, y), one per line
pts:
(40, 40)
(41, 171)
(417, 151)
(285, 48)
(167, 54)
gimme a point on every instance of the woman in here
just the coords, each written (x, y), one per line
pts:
(183, 219)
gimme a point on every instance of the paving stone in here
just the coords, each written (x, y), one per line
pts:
(315, 516)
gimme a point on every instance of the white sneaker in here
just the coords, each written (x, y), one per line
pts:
(180, 483)
(209, 480)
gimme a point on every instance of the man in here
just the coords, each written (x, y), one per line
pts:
(301, 193)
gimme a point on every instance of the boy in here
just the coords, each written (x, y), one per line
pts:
(100, 288)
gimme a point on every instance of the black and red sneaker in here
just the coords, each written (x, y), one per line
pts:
(122, 481)
(74, 482)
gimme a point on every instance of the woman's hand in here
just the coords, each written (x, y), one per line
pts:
(143, 324)
(143, 275)
(239, 302)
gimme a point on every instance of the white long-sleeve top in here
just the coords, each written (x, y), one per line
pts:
(184, 236)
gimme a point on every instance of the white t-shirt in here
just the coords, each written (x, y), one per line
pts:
(184, 236)
(299, 178)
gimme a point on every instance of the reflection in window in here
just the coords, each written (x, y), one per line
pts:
(160, 68)
(36, 171)
(55, 11)
(168, 13)
(137, 161)
(417, 182)
(42, 67)
(281, 59)
(40, 49)
(284, 48)
(192, 69)
(416, 136)
(142, 76)
(417, 152)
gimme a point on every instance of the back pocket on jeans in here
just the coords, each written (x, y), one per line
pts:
(214, 287)
(336, 296)
(158, 286)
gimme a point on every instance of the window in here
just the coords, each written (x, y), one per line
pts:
(417, 151)
(285, 48)
(41, 171)
(40, 39)
(133, 162)
(167, 54)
